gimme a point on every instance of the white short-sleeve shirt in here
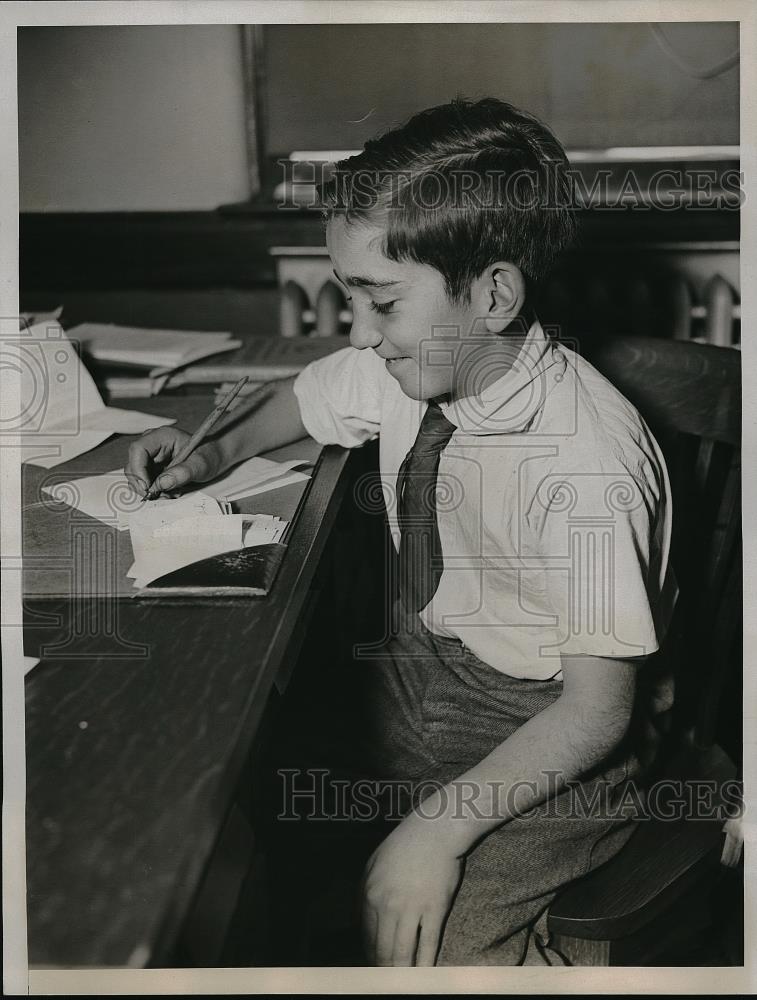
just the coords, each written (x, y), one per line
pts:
(553, 504)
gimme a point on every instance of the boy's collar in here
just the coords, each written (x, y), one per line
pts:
(510, 404)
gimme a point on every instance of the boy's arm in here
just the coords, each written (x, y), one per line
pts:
(413, 875)
(274, 423)
(336, 400)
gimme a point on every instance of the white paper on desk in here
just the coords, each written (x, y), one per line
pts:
(110, 498)
(32, 318)
(272, 484)
(197, 354)
(107, 497)
(61, 400)
(48, 452)
(255, 475)
(133, 386)
(118, 421)
(159, 350)
(178, 543)
(155, 554)
(149, 517)
(29, 663)
(263, 531)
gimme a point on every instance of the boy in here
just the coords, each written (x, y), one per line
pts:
(530, 508)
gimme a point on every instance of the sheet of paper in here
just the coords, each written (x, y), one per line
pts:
(172, 544)
(110, 498)
(148, 517)
(180, 543)
(32, 318)
(261, 532)
(107, 497)
(134, 386)
(55, 386)
(48, 451)
(118, 421)
(156, 552)
(272, 484)
(197, 524)
(198, 354)
(255, 475)
(29, 663)
(159, 350)
(62, 403)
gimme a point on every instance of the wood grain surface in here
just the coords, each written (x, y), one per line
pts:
(139, 721)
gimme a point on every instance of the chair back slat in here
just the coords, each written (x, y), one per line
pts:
(690, 395)
(685, 387)
(726, 530)
(725, 644)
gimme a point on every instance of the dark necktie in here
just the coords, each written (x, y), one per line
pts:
(420, 554)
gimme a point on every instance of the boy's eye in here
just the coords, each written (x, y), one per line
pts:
(382, 308)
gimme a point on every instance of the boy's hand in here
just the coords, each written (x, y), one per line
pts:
(408, 887)
(154, 451)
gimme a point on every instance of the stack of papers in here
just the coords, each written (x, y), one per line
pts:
(256, 475)
(110, 498)
(132, 387)
(158, 351)
(167, 535)
(261, 358)
(32, 318)
(62, 413)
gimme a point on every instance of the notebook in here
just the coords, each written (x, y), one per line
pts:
(242, 572)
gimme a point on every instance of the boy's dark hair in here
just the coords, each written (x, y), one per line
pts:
(460, 186)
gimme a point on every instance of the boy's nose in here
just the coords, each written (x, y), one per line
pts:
(363, 333)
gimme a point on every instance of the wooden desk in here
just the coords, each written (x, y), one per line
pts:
(141, 717)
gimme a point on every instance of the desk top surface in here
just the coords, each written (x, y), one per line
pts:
(57, 538)
(139, 721)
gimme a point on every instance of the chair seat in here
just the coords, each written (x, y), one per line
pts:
(657, 865)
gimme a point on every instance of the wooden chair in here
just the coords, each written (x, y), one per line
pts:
(653, 899)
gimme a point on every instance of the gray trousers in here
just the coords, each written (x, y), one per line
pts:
(432, 711)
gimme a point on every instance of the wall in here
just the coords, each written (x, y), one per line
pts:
(598, 85)
(130, 118)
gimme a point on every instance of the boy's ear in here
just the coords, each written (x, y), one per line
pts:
(506, 290)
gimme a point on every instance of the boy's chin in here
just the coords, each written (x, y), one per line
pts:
(412, 391)
(421, 389)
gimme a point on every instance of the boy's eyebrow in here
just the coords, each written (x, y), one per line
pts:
(363, 281)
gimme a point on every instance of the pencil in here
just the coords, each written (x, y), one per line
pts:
(200, 434)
